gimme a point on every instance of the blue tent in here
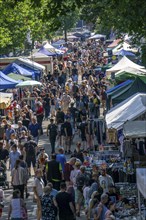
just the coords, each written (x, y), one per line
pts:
(15, 68)
(6, 82)
(47, 52)
(119, 86)
(125, 53)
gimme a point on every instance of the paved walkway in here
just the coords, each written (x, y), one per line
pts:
(43, 142)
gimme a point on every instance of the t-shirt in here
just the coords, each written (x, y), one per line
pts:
(34, 129)
(3, 154)
(67, 126)
(39, 184)
(62, 159)
(30, 148)
(63, 199)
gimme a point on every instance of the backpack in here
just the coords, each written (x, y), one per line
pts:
(30, 148)
(80, 181)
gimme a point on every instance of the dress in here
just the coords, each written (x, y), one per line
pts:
(48, 208)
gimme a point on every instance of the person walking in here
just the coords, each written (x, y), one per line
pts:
(48, 205)
(17, 209)
(65, 204)
(54, 172)
(38, 187)
(18, 177)
(34, 129)
(30, 148)
(14, 155)
(52, 133)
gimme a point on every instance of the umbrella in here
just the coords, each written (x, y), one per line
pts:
(29, 83)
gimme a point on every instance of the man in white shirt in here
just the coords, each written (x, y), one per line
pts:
(105, 181)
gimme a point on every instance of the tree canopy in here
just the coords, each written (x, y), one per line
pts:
(43, 17)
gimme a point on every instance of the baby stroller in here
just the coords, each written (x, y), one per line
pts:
(3, 177)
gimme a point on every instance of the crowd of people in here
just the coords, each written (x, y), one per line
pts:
(73, 101)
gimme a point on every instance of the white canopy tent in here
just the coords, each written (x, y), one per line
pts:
(97, 36)
(53, 49)
(131, 70)
(127, 110)
(134, 129)
(123, 63)
(30, 63)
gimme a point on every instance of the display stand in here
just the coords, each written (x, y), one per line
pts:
(141, 185)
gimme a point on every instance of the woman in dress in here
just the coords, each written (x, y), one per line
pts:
(48, 205)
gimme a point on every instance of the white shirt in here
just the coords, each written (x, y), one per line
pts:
(73, 176)
(105, 182)
(39, 184)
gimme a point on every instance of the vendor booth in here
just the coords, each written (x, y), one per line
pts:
(123, 63)
(141, 185)
(5, 100)
(135, 129)
(137, 86)
(128, 110)
(6, 82)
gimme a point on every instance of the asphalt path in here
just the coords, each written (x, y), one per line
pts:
(31, 206)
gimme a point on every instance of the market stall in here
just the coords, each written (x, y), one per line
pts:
(141, 185)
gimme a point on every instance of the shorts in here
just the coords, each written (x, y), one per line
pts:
(31, 160)
(79, 198)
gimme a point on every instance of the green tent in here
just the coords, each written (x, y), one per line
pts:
(130, 73)
(18, 77)
(137, 86)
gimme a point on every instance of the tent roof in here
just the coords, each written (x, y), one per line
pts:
(123, 52)
(119, 86)
(30, 63)
(18, 77)
(15, 68)
(123, 63)
(48, 46)
(127, 110)
(125, 46)
(131, 70)
(37, 54)
(6, 82)
(134, 129)
(114, 43)
(137, 86)
(97, 36)
(46, 52)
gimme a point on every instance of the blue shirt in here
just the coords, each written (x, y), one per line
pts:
(9, 131)
(62, 159)
(53, 193)
(13, 157)
(34, 129)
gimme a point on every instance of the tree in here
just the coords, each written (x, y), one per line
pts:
(68, 21)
